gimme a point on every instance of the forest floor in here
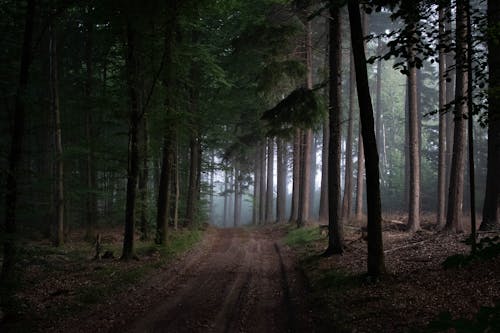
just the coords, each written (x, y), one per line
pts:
(266, 279)
(418, 294)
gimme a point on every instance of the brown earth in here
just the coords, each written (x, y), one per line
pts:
(237, 280)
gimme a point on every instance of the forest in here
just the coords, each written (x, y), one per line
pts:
(175, 164)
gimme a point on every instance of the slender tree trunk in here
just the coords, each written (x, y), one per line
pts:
(312, 176)
(56, 114)
(360, 180)
(376, 265)
(281, 181)
(378, 111)
(347, 199)
(256, 188)
(335, 228)
(294, 216)
(414, 142)
(491, 206)
(177, 185)
(226, 194)
(442, 124)
(450, 96)
(262, 194)
(270, 181)
(165, 181)
(212, 183)
(90, 172)
(191, 206)
(323, 199)
(133, 147)
(306, 143)
(143, 180)
(455, 196)
(237, 196)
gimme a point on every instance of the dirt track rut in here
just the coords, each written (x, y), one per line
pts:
(242, 281)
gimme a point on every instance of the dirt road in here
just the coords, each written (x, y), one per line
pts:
(241, 281)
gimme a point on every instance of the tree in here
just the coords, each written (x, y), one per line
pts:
(56, 114)
(281, 180)
(455, 196)
(335, 229)
(376, 265)
(132, 67)
(491, 206)
(348, 180)
(16, 144)
(270, 180)
(413, 135)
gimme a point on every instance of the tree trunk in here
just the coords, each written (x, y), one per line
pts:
(347, 199)
(212, 184)
(376, 265)
(177, 185)
(306, 142)
(323, 199)
(192, 202)
(335, 228)
(143, 180)
(413, 140)
(281, 181)
(56, 114)
(294, 215)
(262, 194)
(133, 147)
(270, 181)
(378, 112)
(226, 194)
(455, 196)
(491, 206)
(256, 188)
(442, 124)
(90, 171)
(237, 195)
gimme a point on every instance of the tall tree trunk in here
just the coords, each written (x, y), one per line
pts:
(212, 183)
(442, 123)
(133, 147)
(491, 206)
(56, 114)
(294, 215)
(90, 171)
(306, 143)
(165, 182)
(347, 199)
(281, 181)
(262, 194)
(195, 151)
(378, 111)
(256, 188)
(455, 196)
(413, 137)
(376, 265)
(335, 228)
(226, 194)
(177, 185)
(270, 181)
(237, 195)
(323, 199)
(450, 96)
(312, 169)
(143, 180)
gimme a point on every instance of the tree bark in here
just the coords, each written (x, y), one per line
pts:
(143, 180)
(442, 124)
(294, 215)
(455, 196)
(375, 262)
(56, 114)
(91, 199)
(270, 181)
(414, 139)
(348, 178)
(256, 188)
(237, 195)
(323, 199)
(262, 194)
(335, 228)
(133, 147)
(281, 181)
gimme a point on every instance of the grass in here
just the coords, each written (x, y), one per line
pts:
(302, 237)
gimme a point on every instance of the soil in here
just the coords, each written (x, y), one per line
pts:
(237, 280)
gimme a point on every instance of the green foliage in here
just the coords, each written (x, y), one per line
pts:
(302, 236)
(299, 109)
(486, 320)
(487, 249)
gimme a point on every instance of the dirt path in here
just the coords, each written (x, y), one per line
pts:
(242, 282)
(236, 280)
